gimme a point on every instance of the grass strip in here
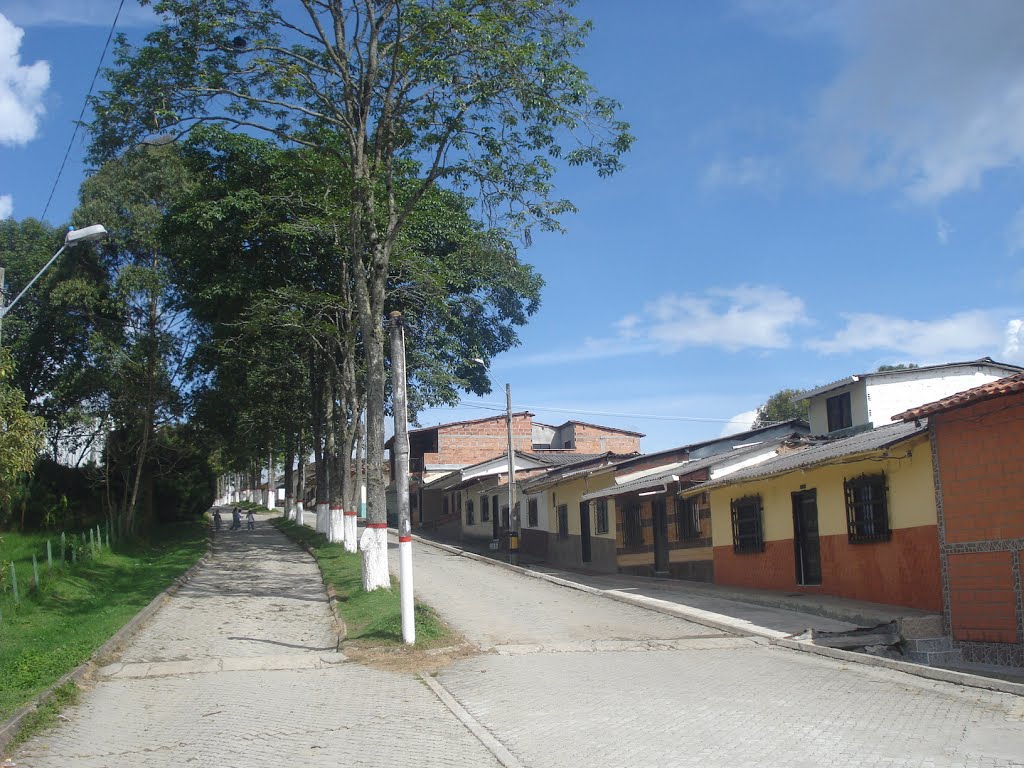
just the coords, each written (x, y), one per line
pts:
(45, 715)
(76, 608)
(372, 618)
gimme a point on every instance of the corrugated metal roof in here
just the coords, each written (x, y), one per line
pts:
(1004, 386)
(561, 459)
(660, 478)
(823, 451)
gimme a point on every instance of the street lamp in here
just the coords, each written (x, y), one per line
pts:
(71, 239)
(513, 516)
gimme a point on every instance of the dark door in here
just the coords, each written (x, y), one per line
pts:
(660, 521)
(806, 545)
(495, 521)
(585, 530)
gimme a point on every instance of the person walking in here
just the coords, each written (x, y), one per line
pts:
(216, 519)
(236, 519)
(250, 520)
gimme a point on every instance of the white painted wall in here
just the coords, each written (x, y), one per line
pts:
(889, 396)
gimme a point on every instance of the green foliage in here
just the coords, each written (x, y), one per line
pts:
(55, 629)
(371, 618)
(21, 433)
(781, 407)
(46, 715)
(900, 367)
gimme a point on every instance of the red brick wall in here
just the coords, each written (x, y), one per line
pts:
(481, 440)
(592, 439)
(981, 453)
(982, 599)
(901, 571)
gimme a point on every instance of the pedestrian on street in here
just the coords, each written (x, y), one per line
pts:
(250, 520)
(236, 519)
(216, 519)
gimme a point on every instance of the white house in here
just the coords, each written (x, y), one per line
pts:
(867, 400)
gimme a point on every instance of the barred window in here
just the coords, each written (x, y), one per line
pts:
(563, 521)
(602, 515)
(470, 517)
(688, 518)
(632, 532)
(867, 509)
(485, 512)
(531, 513)
(747, 525)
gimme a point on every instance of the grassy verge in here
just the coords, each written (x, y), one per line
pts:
(76, 608)
(371, 618)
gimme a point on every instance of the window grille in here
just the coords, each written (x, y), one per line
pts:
(531, 513)
(632, 531)
(563, 521)
(688, 518)
(485, 512)
(747, 525)
(867, 509)
(470, 517)
(602, 515)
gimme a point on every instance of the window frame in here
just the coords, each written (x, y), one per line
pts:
(562, 518)
(632, 526)
(747, 512)
(601, 516)
(874, 526)
(532, 516)
(688, 518)
(842, 411)
(485, 510)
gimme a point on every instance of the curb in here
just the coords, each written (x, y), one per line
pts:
(758, 634)
(10, 727)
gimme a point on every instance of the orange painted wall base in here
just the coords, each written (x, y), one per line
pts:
(902, 571)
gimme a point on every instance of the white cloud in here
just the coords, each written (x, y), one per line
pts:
(93, 13)
(972, 333)
(1012, 349)
(6, 207)
(741, 422)
(749, 316)
(21, 88)
(745, 317)
(761, 174)
(929, 98)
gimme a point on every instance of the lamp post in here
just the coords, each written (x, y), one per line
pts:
(513, 515)
(71, 239)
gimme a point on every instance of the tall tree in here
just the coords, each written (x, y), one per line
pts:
(144, 352)
(483, 95)
(782, 406)
(21, 433)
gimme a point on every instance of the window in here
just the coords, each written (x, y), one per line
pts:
(602, 515)
(839, 414)
(747, 525)
(563, 521)
(688, 518)
(867, 511)
(632, 532)
(531, 513)
(485, 510)
(470, 517)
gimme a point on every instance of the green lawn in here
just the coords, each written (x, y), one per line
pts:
(78, 607)
(371, 618)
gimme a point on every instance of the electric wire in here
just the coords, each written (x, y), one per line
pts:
(655, 417)
(81, 115)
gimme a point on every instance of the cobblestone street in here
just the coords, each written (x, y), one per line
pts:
(240, 669)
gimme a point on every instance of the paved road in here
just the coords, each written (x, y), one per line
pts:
(577, 680)
(240, 669)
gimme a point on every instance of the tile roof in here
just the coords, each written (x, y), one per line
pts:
(1005, 386)
(824, 451)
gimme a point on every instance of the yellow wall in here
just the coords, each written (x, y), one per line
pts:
(570, 491)
(911, 494)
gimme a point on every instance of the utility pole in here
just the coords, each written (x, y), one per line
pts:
(513, 513)
(3, 303)
(401, 449)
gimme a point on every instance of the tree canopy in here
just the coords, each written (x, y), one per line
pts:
(781, 407)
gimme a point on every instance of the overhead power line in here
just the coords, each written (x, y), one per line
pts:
(577, 411)
(81, 115)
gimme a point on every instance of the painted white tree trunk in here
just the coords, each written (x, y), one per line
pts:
(323, 518)
(351, 531)
(405, 589)
(300, 513)
(288, 513)
(336, 528)
(374, 545)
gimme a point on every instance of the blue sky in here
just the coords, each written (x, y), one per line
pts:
(817, 188)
